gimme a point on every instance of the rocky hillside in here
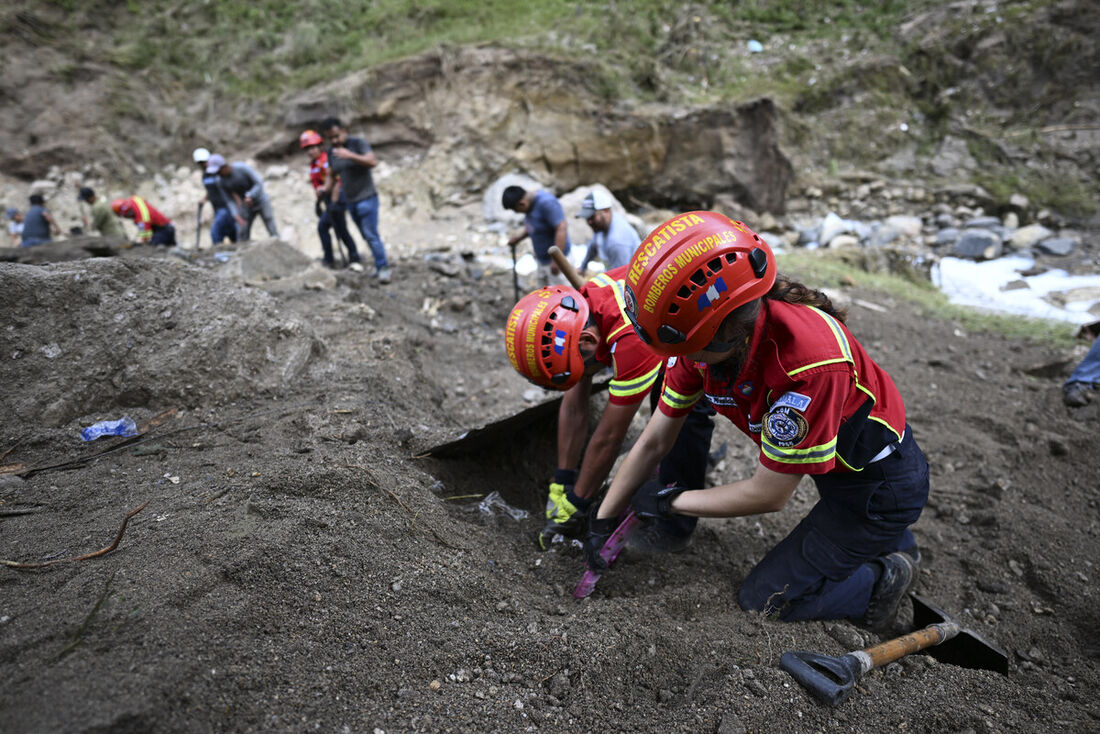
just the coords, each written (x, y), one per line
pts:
(1001, 95)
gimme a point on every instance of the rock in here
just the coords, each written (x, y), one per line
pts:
(559, 686)
(774, 240)
(1011, 220)
(1057, 246)
(906, 226)
(979, 244)
(946, 219)
(848, 637)
(947, 236)
(1015, 285)
(982, 223)
(843, 242)
(884, 235)
(731, 724)
(1027, 237)
(952, 158)
(1019, 201)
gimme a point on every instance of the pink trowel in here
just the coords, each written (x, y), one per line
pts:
(608, 553)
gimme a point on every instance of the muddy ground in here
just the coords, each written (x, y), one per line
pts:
(301, 565)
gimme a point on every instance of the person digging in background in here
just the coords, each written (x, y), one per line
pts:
(246, 189)
(15, 225)
(224, 224)
(350, 162)
(102, 219)
(38, 223)
(775, 358)
(544, 222)
(153, 227)
(330, 215)
(558, 338)
(613, 239)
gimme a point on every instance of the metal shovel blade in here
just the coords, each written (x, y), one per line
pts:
(829, 679)
(968, 649)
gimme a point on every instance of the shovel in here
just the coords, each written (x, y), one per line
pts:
(198, 227)
(831, 679)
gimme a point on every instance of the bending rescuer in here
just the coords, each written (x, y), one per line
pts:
(775, 358)
(558, 338)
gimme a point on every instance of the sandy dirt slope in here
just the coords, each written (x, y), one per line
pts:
(301, 566)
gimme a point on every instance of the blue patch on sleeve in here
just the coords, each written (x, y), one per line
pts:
(794, 400)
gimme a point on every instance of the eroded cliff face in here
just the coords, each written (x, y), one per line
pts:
(471, 115)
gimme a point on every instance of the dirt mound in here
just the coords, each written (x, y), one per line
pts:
(106, 334)
(302, 566)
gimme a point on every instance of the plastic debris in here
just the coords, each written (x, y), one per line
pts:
(755, 47)
(494, 504)
(121, 427)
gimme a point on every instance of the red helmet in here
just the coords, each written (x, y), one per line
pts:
(120, 206)
(689, 274)
(542, 336)
(308, 138)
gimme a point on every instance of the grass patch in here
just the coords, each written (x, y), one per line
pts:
(834, 271)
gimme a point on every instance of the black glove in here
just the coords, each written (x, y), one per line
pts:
(318, 208)
(599, 530)
(655, 500)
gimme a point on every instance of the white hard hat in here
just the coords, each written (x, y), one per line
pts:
(201, 155)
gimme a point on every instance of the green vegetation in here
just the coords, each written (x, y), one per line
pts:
(836, 271)
(261, 47)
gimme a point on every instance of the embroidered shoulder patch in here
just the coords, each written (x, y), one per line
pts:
(785, 427)
(795, 400)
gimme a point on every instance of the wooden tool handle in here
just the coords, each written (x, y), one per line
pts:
(566, 267)
(891, 650)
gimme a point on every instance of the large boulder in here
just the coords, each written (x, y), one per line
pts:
(108, 334)
(469, 114)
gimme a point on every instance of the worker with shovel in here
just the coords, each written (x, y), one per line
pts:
(330, 214)
(775, 358)
(558, 337)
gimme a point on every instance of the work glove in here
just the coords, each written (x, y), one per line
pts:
(318, 208)
(567, 514)
(561, 478)
(653, 500)
(599, 530)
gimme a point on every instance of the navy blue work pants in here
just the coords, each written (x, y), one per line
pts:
(333, 218)
(822, 569)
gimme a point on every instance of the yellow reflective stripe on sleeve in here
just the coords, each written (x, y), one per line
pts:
(603, 280)
(143, 210)
(812, 455)
(679, 401)
(792, 373)
(626, 388)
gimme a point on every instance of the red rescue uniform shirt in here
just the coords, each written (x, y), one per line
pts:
(808, 394)
(635, 369)
(145, 216)
(318, 170)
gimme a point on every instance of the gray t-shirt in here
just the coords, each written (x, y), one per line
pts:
(243, 181)
(355, 178)
(615, 246)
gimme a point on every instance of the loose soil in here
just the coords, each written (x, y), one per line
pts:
(306, 562)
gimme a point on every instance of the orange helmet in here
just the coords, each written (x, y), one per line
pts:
(542, 336)
(120, 206)
(308, 138)
(689, 274)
